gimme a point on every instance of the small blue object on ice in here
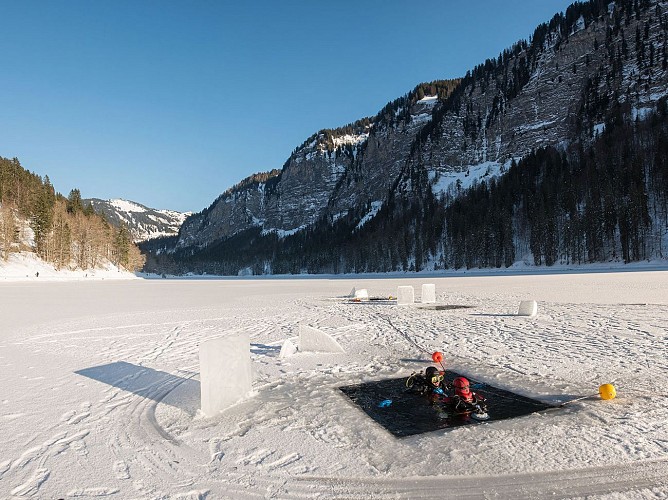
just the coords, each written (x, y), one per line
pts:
(385, 403)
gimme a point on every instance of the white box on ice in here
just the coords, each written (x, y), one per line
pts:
(225, 372)
(428, 293)
(362, 294)
(405, 295)
(528, 308)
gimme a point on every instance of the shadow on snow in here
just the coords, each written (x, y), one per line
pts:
(148, 383)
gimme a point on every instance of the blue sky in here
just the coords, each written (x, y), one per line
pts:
(169, 103)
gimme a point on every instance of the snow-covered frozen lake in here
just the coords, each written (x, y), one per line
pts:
(134, 431)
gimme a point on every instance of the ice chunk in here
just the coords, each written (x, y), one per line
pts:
(288, 349)
(225, 372)
(528, 308)
(314, 340)
(428, 294)
(405, 295)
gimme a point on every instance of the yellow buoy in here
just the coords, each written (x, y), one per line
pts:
(607, 391)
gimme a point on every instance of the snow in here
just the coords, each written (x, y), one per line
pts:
(141, 435)
(429, 100)
(375, 207)
(22, 266)
(428, 295)
(314, 340)
(535, 126)
(405, 295)
(353, 139)
(598, 129)
(421, 119)
(283, 233)
(180, 217)
(127, 206)
(467, 175)
(528, 308)
(655, 96)
(641, 113)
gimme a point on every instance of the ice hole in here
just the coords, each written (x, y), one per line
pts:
(404, 413)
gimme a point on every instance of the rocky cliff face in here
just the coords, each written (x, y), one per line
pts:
(284, 202)
(594, 57)
(549, 92)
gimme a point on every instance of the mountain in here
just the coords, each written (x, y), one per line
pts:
(584, 76)
(143, 223)
(332, 172)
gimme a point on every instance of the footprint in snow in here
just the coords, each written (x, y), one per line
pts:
(121, 470)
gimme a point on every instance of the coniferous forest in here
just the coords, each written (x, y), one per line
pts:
(606, 203)
(65, 233)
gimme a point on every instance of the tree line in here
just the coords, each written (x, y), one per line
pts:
(65, 233)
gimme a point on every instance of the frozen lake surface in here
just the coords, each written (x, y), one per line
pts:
(99, 389)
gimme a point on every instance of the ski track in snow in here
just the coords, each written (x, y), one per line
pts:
(138, 433)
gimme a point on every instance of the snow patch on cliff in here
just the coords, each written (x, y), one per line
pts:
(463, 179)
(429, 100)
(375, 207)
(283, 233)
(353, 139)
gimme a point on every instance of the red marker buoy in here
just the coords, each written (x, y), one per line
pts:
(437, 357)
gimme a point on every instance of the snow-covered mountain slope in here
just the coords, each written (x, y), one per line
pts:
(143, 222)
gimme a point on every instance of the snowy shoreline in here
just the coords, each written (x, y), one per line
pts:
(651, 266)
(27, 267)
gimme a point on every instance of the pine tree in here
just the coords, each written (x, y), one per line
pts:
(121, 246)
(61, 237)
(8, 230)
(74, 203)
(42, 216)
